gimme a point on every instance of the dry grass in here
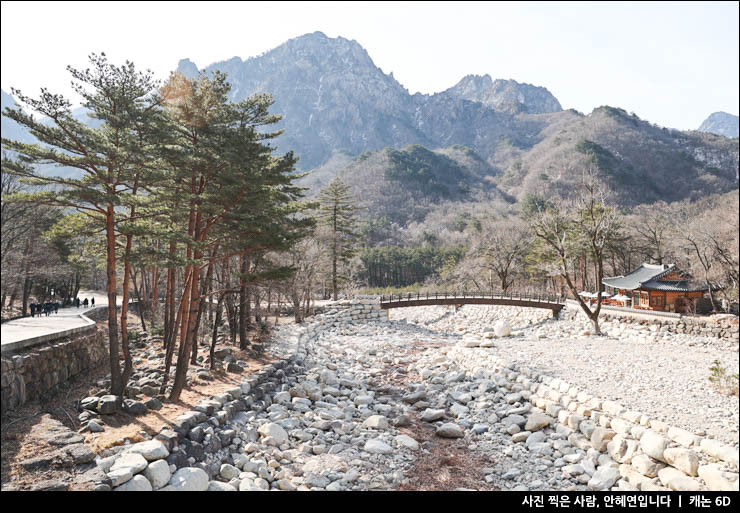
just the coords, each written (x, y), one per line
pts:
(444, 464)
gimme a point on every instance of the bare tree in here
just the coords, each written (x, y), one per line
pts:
(564, 228)
(500, 247)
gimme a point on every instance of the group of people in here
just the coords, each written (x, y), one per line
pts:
(45, 308)
(84, 303)
(49, 307)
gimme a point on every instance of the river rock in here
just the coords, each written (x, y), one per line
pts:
(137, 483)
(450, 430)
(376, 446)
(188, 479)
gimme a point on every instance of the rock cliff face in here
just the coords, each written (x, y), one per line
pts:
(334, 98)
(721, 123)
(505, 95)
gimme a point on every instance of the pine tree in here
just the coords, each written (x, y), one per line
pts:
(227, 187)
(337, 213)
(108, 157)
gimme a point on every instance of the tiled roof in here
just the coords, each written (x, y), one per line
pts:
(647, 276)
(675, 286)
(643, 274)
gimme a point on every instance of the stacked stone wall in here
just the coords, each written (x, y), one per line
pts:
(651, 454)
(715, 326)
(39, 371)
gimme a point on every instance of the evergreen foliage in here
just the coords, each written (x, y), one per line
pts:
(337, 214)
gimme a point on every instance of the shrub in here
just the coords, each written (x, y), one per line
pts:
(721, 380)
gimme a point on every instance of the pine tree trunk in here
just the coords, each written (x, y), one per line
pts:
(215, 330)
(243, 300)
(117, 384)
(128, 363)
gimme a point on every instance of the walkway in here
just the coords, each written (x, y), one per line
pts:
(67, 318)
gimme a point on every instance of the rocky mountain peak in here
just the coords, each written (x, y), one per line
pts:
(505, 95)
(721, 123)
(187, 68)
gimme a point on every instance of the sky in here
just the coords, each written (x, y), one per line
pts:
(671, 63)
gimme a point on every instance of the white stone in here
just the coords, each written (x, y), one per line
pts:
(654, 444)
(604, 478)
(646, 465)
(217, 486)
(450, 430)
(376, 446)
(720, 451)
(150, 450)
(188, 479)
(502, 329)
(678, 481)
(135, 462)
(685, 460)
(137, 483)
(537, 421)
(683, 437)
(376, 422)
(408, 442)
(430, 415)
(158, 473)
(120, 476)
(717, 479)
(229, 472)
(274, 431)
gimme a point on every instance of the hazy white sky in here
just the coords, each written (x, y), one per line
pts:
(672, 63)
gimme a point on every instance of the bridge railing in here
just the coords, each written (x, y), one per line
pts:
(526, 296)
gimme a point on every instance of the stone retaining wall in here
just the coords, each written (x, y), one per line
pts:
(653, 456)
(358, 308)
(39, 371)
(719, 327)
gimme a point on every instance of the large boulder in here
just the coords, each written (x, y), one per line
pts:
(188, 479)
(109, 404)
(537, 421)
(376, 446)
(137, 483)
(274, 431)
(151, 450)
(654, 444)
(502, 329)
(685, 460)
(450, 430)
(158, 473)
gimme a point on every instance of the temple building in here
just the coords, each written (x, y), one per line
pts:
(661, 287)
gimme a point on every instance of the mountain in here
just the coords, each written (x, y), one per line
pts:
(337, 105)
(505, 95)
(641, 162)
(11, 129)
(404, 185)
(334, 98)
(341, 111)
(721, 123)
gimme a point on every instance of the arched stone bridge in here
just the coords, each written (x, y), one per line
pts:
(551, 302)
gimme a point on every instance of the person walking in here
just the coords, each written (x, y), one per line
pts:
(85, 303)
(33, 309)
(92, 302)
